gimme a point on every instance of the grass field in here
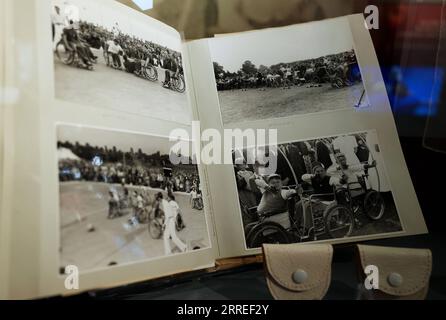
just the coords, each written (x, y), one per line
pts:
(84, 203)
(254, 104)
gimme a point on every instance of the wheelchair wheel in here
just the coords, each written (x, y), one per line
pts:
(67, 57)
(155, 229)
(337, 83)
(199, 205)
(179, 223)
(268, 233)
(150, 73)
(339, 221)
(179, 84)
(141, 216)
(374, 205)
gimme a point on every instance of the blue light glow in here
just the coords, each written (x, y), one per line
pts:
(414, 91)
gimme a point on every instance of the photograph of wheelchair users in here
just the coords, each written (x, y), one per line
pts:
(325, 188)
(120, 51)
(123, 201)
(105, 57)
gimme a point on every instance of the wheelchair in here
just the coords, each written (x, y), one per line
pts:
(333, 217)
(336, 216)
(271, 227)
(69, 56)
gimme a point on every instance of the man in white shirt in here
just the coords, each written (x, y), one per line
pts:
(114, 49)
(193, 197)
(58, 23)
(171, 210)
(351, 174)
(348, 146)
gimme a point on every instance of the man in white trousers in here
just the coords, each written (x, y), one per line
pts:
(58, 24)
(171, 210)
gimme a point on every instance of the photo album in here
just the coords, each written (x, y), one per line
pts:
(132, 154)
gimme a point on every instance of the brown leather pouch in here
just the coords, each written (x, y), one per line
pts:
(403, 274)
(298, 272)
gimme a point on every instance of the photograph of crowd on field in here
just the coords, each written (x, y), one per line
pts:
(112, 62)
(276, 73)
(122, 200)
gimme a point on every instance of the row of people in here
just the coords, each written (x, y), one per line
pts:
(154, 177)
(269, 197)
(343, 66)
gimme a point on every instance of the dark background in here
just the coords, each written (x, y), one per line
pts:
(409, 40)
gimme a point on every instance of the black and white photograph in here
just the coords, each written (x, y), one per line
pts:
(104, 58)
(122, 200)
(289, 71)
(326, 188)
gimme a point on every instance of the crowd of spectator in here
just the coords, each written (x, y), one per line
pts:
(111, 165)
(342, 67)
(133, 47)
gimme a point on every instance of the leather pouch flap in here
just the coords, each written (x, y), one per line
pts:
(402, 272)
(298, 271)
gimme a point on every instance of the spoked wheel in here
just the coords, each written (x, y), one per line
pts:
(339, 221)
(268, 233)
(338, 83)
(155, 229)
(179, 84)
(150, 73)
(142, 216)
(374, 205)
(199, 205)
(67, 57)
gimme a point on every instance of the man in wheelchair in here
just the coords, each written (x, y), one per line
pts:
(351, 176)
(321, 182)
(72, 42)
(329, 187)
(274, 198)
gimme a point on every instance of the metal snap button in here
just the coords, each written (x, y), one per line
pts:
(300, 276)
(395, 279)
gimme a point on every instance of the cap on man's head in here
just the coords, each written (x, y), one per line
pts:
(274, 176)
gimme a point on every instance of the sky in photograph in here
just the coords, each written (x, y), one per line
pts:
(121, 140)
(286, 44)
(129, 21)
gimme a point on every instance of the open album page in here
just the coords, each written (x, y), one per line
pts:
(101, 87)
(339, 173)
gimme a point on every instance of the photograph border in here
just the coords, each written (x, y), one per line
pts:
(257, 121)
(206, 210)
(333, 241)
(48, 53)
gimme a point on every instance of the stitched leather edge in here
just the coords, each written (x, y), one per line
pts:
(326, 260)
(427, 269)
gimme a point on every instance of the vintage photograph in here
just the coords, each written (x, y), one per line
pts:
(295, 70)
(122, 200)
(326, 188)
(104, 58)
